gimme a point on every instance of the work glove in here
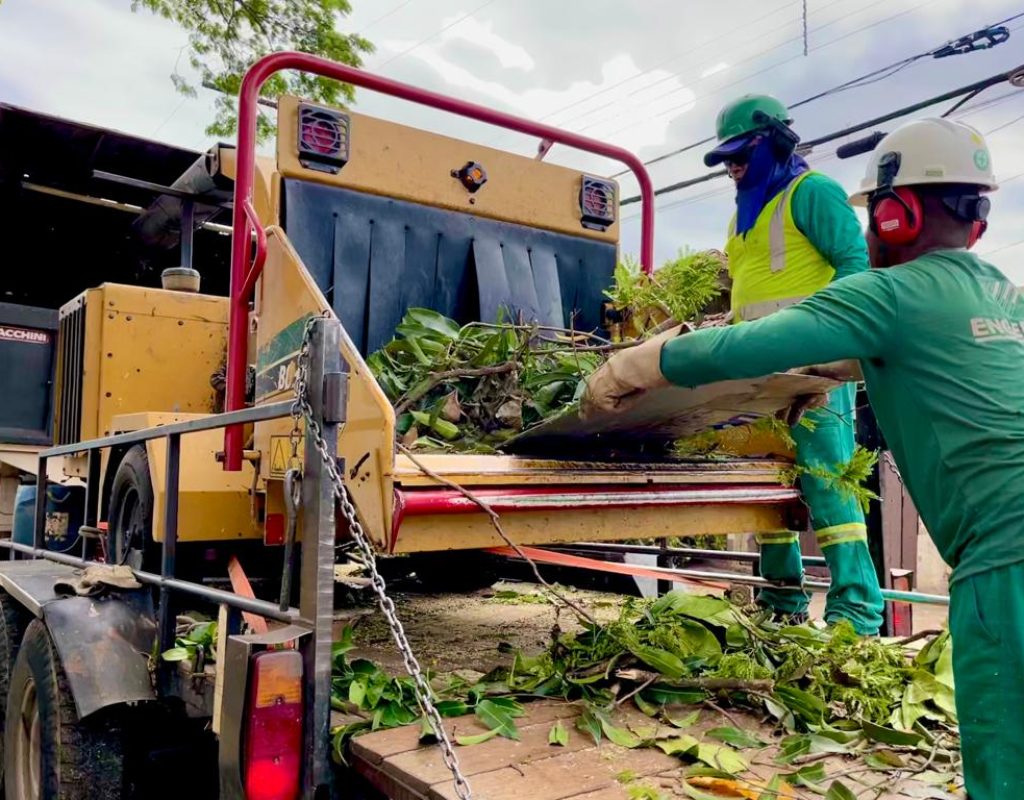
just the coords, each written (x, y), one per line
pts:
(624, 378)
(848, 370)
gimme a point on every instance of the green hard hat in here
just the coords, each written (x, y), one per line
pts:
(738, 118)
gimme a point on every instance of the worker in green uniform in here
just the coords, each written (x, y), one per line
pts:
(939, 337)
(792, 235)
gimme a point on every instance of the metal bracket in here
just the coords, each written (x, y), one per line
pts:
(335, 397)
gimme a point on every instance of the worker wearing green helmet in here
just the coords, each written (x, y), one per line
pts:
(793, 234)
(939, 336)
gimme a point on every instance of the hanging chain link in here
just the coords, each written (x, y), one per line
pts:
(302, 410)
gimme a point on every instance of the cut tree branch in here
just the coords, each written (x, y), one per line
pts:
(437, 378)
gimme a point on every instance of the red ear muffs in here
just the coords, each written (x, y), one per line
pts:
(978, 228)
(896, 216)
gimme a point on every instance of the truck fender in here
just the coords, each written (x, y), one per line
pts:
(104, 643)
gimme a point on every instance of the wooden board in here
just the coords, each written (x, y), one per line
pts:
(675, 412)
(398, 766)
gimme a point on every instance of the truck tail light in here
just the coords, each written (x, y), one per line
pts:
(273, 736)
(323, 138)
(597, 203)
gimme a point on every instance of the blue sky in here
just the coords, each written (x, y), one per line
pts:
(648, 74)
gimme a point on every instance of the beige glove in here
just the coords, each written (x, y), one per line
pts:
(623, 378)
(845, 370)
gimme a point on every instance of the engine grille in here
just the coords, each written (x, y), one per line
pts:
(70, 367)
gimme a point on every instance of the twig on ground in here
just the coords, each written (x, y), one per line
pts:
(713, 705)
(636, 690)
(496, 523)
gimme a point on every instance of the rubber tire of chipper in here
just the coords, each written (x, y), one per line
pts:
(133, 474)
(80, 760)
(13, 621)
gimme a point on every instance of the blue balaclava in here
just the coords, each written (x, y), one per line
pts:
(766, 177)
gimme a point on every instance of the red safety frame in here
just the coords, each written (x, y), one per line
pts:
(246, 267)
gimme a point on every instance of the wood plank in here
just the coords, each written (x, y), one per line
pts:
(375, 747)
(424, 767)
(561, 777)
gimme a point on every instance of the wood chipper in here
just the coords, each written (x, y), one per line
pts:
(214, 434)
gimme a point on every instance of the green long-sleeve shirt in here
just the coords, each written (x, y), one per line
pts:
(822, 213)
(941, 345)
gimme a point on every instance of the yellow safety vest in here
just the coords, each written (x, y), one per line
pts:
(774, 265)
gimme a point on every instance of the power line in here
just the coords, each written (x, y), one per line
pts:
(871, 77)
(384, 16)
(719, 89)
(1005, 125)
(706, 43)
(434, 35)
(903, 112)
(731, 37)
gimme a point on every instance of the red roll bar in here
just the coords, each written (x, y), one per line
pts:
(244, 276)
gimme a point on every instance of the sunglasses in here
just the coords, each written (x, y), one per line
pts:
(742, 157)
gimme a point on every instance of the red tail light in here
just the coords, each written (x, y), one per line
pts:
(273, 740)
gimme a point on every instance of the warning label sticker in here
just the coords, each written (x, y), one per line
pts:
(8, 333)
(281, 456)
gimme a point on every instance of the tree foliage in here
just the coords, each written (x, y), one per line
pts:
(226, 36)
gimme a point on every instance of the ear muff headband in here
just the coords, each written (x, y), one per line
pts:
(895, 213)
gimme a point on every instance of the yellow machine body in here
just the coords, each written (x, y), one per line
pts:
(133, 358)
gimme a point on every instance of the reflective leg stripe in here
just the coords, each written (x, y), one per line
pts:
(839, 534)
(777, 537)
(753, 311)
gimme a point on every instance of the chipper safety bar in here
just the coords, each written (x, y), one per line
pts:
(247, 265)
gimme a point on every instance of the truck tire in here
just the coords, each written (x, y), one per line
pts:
(49, 753)
(130, 514)
(13, 621)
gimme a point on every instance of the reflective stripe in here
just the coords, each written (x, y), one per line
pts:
(753, 311)
(777, 230)
(840, 534)
(777, 537)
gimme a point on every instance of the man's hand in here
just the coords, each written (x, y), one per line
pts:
(802, 405)
(623, 378)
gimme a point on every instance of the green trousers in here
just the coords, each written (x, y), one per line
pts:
(838, 523)
(986, 620)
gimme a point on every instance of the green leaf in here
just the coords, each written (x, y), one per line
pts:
(685, 722)
(480, 738)
(660, 660)
(176, 654)
(671, 695)
(442, 427)
(678, 745)
(879, 733)
(619, 736)
(451, 708)
(839, 791)
(427, 734)
(648, 708)
(357, 693)
(721, 757)
(811, 776)
(558, 734)
(497, 717)
(736, 737)
(803, 704)
(792, 747)
(885, 760)
(712, 610)
(589, 723)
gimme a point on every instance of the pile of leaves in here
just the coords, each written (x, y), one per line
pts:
(826, 691)
(469, 388)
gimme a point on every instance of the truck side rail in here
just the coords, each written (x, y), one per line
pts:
(245, 223)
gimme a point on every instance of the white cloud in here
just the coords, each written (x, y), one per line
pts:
(482, 34)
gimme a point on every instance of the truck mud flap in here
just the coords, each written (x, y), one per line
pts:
(104, 645)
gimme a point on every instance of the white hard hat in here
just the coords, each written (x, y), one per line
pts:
(931, 151)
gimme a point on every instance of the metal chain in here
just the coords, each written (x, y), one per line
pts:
(302, 410)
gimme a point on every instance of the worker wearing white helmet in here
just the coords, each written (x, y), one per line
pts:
(939, 334)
